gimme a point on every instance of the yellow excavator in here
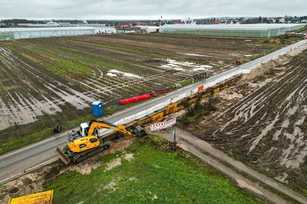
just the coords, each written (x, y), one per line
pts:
(89, 140)
(95, 136)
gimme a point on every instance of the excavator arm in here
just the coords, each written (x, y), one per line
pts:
(93, 125)
(97, 125)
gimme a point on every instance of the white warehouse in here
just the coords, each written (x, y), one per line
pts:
(24, 33)
(233, 30)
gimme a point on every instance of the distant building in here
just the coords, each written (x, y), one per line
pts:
(105, 30)
(39, 25)
(149, 29)
(24, 33)
(126, 28)
(65, 24)
(282, 20)
(233, 30)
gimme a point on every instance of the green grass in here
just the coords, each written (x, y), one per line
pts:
(13, 143)
(61, 60)
(63, 67)
(154, 176)
(183, 83)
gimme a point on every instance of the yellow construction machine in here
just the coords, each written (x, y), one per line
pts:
(95, 136)
(90, 140)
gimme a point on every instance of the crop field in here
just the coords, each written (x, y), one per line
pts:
(268, 128)
(44, 82)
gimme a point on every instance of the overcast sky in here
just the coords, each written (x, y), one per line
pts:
(147, 9)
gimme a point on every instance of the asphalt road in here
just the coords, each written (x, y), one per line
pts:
(17, 162)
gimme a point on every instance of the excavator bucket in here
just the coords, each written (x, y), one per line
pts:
(122, 129)
(62, 156)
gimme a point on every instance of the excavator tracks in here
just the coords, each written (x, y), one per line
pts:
(70, 158)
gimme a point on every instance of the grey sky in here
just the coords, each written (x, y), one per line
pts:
(132, 9)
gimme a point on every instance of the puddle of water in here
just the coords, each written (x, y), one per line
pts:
(196, 55)
(117, 73)
(69, 98)
(185, 66)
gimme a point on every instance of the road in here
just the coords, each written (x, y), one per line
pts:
(17, 162)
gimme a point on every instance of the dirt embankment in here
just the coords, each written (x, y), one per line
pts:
(264, 125)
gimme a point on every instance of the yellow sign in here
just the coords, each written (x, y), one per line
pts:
(37, 198)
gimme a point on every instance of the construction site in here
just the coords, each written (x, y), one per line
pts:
(47, 82)
(263, 125)
(182, 118)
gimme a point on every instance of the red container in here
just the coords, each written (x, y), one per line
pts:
(135, 99)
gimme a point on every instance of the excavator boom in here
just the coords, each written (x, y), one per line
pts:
(93, 125)
(97, 125)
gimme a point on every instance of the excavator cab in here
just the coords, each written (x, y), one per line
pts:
(83, 129)
(94, 125)
(82, 132)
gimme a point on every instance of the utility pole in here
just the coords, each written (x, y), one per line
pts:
(174, 145)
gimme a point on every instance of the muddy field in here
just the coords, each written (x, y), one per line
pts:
(267, 128)
(56, 79)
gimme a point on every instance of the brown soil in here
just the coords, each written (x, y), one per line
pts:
(267, 128)
(50, 81)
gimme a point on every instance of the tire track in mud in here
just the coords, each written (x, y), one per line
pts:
(28, 92)
(50, 94)
(34, 93)
(17, 110)
(268, 128)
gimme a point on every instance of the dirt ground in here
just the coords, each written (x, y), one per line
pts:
(266, 128)
(49, 81)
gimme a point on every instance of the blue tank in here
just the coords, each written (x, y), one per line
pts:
(97, 109)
